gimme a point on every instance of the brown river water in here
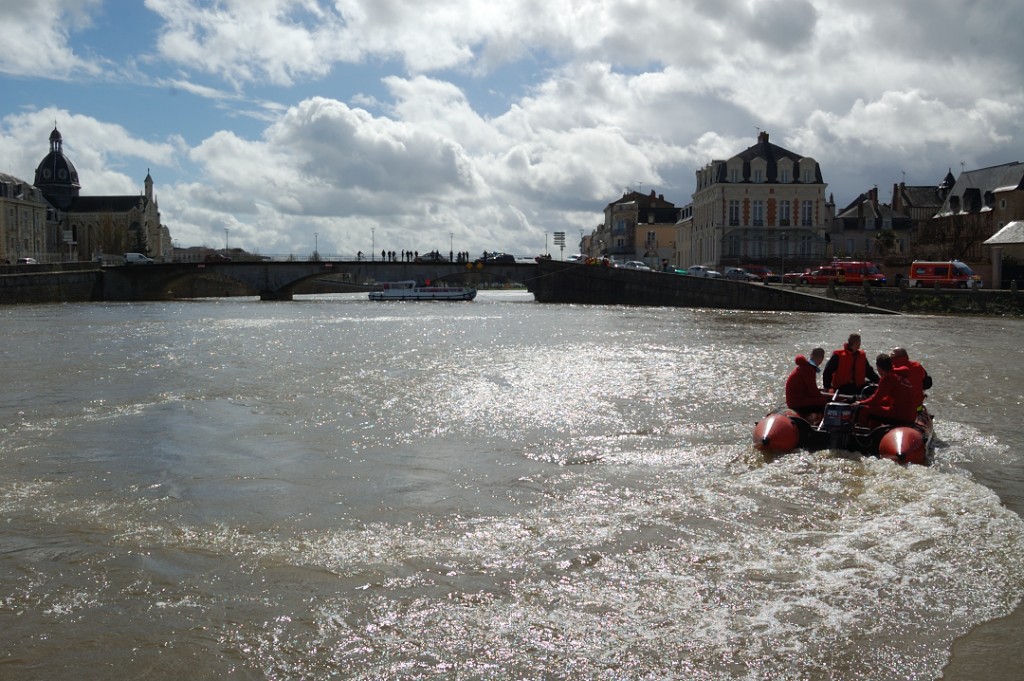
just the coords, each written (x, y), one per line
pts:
(335, 488)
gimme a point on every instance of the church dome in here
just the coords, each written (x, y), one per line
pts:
(56, 176)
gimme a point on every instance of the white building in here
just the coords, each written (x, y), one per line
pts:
(765, 205)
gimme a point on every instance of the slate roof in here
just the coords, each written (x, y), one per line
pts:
(105, 204)
(1012, 233)
(974, 190)
(772, 154)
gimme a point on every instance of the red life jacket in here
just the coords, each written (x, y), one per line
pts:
(851, 367)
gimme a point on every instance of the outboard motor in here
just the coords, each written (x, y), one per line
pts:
(838, 423)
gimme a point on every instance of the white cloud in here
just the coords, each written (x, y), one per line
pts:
(36, 38)
(500, 121)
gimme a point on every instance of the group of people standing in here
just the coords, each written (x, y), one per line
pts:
(899, 383)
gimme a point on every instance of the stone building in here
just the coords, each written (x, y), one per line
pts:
(25, 221)
(765, 205)
(980, 203)
(870, 230)
(51, 221)
(638, 227)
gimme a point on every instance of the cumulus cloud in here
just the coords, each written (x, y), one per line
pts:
(497, 122)
(37, 34)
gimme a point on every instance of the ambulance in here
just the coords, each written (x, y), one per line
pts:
(949, 274)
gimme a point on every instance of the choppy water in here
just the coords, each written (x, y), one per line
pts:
(333, 488)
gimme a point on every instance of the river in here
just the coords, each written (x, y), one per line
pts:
(335, 488)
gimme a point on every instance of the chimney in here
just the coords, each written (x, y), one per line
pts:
(762, 137)
(897, 197)
(874, 197)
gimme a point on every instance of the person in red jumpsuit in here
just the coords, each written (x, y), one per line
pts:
(895, 399)
(919, 378)
(802, 393)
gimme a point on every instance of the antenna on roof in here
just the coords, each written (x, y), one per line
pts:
(962, 164)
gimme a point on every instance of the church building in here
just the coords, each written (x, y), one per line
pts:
(51, 221)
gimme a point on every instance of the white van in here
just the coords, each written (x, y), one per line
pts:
(137, 259)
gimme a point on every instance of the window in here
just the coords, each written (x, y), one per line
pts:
(808, 176)
(758, 209)
(758, 175)
(733, 244)
(757, 248)
(807, 213)
(734, 212)
(784, 216)
(784, 175)
(652, 238)
(806, 246)
(734, 175)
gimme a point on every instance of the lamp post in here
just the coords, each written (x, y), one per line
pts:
(451, 246)
(373, 242)
(784, 243)
(225, 238)
(316, 245)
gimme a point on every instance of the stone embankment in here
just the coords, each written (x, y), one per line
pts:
(933, 300)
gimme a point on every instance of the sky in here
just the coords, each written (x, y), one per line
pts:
(288, 126)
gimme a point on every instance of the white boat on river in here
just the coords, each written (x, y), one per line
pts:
(409, 290)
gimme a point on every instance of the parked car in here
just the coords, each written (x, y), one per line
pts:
(217, 257)
(859, 271)
(27, 261)
(759, 271)
(793, 277)
(701, 271)
(433, 256)
(501, 258)
(740, 274)
(634, 265)
(137, 259)
(823, 276)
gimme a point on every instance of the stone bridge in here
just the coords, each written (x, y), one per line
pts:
(273, 280)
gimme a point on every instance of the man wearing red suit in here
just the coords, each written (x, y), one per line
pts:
(802, 393)
(895, 399)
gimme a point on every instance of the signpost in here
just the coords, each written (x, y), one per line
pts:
(560, 242)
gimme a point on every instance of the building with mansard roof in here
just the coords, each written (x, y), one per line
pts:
(869, 229)
(765, 205)
(51, 221)
(979, 204)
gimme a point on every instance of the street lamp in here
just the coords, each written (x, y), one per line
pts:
(373, 242)
(451, 246)
(225, 238)
(316, 245)
(784, 241)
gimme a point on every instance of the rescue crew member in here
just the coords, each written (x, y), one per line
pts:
(919, 378)
(893, 400)
(802, 393)
(847, 370)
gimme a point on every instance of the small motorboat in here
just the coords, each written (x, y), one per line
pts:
(409, 290)
(784, 430)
